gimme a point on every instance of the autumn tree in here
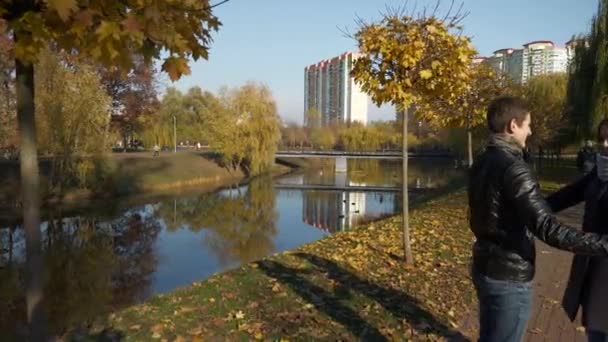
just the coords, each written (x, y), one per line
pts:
(72, 118)
(201, 107)
(8, 129)
(409, 59)
(114, 33)
(159, 126)
(313, 118)
(294, 135)
(133, 95)
(358, 137)
(289, 134)
(248, 132)
(322, 138)
(546, 95)
(468, 108)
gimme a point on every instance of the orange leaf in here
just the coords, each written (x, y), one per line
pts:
(63, 7)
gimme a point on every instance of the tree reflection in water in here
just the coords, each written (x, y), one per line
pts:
(239, 224)
(91, 267)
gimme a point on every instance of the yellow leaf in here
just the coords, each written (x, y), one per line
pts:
(431, 29)
(63, 7)
(426, 74)
(176, 67)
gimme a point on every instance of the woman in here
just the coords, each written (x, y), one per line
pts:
(589, 275)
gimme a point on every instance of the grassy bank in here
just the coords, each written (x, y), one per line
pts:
(132, 178)
(133, 174)
(348, 286)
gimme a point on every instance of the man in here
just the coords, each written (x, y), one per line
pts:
(156, 150)
(585, 159)
(506, 211)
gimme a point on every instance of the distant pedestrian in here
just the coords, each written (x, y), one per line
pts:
(156, 150)
(585, 159)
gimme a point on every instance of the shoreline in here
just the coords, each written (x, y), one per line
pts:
(76, 201)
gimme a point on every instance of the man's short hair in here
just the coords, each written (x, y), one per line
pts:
(504, 109)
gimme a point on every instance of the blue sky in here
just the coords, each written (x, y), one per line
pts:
(271, 41)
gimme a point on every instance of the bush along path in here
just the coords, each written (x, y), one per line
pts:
(350, 286)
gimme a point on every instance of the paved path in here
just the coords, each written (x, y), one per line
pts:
(548, 322)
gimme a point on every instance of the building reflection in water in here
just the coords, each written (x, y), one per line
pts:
(334, 211)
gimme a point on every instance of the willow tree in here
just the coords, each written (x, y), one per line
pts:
(546, 95)
(467, 109)
(248, 132)
(111, 32)
(587, 95)
(412, 59)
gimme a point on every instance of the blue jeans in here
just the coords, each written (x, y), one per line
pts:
(596, 336)
(504, 308)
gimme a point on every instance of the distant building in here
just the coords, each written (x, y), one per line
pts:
(332, 94)
(535, 58)
(479, 59)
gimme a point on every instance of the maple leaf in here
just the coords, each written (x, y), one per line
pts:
(63, 7)
(175, 67)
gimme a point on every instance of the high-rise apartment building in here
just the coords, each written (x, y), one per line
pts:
(331, 93)
(535, 58)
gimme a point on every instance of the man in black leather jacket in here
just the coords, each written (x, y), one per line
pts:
(506, 211)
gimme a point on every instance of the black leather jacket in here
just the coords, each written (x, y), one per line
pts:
(507, 210)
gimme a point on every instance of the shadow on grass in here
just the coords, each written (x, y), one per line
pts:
(401, 305)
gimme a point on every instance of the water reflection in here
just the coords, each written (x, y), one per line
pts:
(86, 261)
(104, 259)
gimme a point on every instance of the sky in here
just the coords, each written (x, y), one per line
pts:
(271, 41)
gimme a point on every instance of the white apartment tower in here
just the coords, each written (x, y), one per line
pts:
(536, 58)
(329, 88)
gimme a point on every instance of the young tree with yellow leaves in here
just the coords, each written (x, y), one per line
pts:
(110, 32)
(409, 60)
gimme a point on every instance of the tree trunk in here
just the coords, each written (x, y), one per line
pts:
(470, 147)
(31, 201)
(469, 142)
(407, 249)
(106, 133)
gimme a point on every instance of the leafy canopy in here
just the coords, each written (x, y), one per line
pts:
(114, 32)
(409, 60)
